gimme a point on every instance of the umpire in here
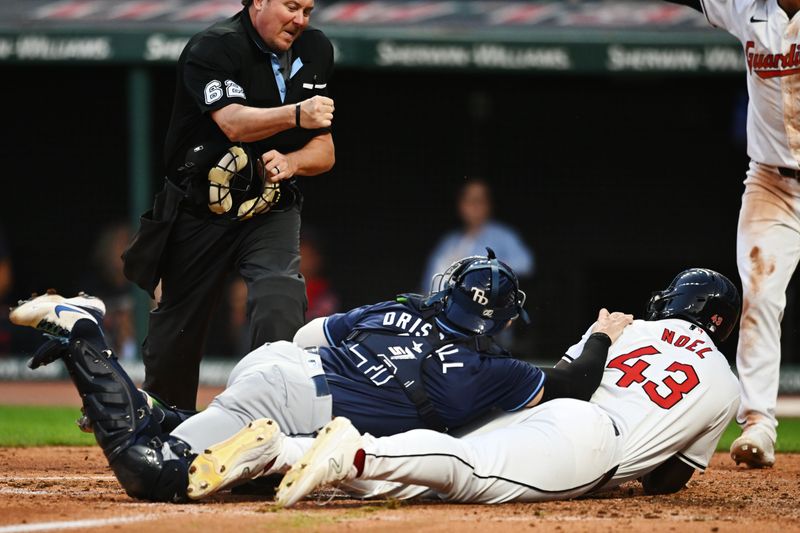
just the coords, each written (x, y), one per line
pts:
(257, 80)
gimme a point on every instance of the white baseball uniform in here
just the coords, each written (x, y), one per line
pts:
(768, 240)
(666, 390)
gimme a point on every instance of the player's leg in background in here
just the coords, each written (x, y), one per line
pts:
(767, 252)
(268, 256)
(197, 258)
(560, 449)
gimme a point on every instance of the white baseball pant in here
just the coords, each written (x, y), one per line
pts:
(560, 449)
(767, 253)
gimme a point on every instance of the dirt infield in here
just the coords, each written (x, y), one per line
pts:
(74, 488)
(54, 488)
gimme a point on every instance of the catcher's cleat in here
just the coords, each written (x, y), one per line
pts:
(245, 455)
(754, 447)
(56, 315)
(330, 459)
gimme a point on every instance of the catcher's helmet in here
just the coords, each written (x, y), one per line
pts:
(701, 296)
(478, 294)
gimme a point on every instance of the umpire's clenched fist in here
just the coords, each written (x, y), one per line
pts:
(316, 112)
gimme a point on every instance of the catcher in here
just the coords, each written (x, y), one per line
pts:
(394, 366)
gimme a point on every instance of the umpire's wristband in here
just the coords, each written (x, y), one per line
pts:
(297, 115)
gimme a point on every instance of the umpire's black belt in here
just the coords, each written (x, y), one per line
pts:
(789, 173)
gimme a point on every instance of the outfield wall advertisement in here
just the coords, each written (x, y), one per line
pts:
(493, 55)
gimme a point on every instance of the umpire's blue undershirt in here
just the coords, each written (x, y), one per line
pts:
(283, 72)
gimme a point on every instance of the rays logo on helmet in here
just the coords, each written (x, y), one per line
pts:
(488, 313)
(478, 295)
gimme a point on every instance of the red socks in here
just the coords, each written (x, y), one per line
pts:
(358, 462)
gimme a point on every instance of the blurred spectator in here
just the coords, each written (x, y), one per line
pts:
(322, 299)
(13, 340)
(107, 281)
(6, 274)
(478, 232)
(6, 281)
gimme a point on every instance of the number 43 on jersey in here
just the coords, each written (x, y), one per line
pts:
(633, 373)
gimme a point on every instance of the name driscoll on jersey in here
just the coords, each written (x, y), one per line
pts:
(767, 65)
(403, 321)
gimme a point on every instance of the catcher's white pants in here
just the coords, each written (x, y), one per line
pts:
(767, 253)
(560, 449)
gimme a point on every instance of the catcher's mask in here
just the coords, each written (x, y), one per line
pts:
(236, 178)
(478, 294)
(701, 296)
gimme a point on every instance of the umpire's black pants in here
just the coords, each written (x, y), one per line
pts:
(200, 254)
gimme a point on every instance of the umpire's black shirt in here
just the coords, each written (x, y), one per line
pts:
(229, 63)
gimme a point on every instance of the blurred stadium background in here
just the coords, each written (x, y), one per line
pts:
(611, 132)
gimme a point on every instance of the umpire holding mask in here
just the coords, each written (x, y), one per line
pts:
(257, 83)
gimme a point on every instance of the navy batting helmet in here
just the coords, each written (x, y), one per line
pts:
(701, 296)
(479, 294)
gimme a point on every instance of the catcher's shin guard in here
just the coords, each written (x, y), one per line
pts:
(122, 421)
(118, 411)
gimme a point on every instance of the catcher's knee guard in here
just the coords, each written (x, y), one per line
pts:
(168, 416)
(118, 411)
(145, 473)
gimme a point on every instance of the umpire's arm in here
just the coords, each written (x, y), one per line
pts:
(242, 123)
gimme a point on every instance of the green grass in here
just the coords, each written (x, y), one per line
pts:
(49, 426)
(788, 436)
(41, 426)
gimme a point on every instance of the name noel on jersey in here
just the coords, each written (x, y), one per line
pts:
(768, 65)
(683, 342)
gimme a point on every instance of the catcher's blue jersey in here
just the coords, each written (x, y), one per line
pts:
(461, 383)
